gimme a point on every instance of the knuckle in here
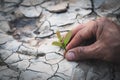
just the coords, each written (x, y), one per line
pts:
(81, 52)
(79, 37)
(103, 20)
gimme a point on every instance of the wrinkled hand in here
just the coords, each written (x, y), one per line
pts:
(106, 45)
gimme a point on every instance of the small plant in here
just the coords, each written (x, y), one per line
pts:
(62, 41)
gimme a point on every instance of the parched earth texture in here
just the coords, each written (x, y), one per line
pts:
(27, 29)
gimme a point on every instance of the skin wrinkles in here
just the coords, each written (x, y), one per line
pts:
(105, 45)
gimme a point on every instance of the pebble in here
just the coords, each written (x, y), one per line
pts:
(31, 11)
(61, 7)
(4, 25)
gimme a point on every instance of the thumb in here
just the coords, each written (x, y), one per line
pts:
(84, 52)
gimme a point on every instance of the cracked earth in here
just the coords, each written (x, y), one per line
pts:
(27, 29)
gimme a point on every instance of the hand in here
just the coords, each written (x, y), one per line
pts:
(106, 44)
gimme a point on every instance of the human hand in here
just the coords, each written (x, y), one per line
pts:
(105, 47)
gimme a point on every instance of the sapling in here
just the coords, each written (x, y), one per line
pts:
(62, 41)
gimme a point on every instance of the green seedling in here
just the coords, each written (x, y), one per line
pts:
(62, 41)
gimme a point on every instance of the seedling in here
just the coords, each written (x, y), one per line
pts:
(62, 41)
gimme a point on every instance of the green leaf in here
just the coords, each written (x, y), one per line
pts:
(57, 43)
(59, 36)
(62, 42)
(67, 37)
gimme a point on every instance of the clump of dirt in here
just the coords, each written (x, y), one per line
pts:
(22, 28)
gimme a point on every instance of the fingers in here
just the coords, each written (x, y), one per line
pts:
(75, 30)
(83, 34)
(105, 47)
(84, 52)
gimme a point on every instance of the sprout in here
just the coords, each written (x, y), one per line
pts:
(62, 41)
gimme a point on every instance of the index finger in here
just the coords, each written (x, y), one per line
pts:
(83, 34)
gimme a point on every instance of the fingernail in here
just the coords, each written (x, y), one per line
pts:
(70, 55)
